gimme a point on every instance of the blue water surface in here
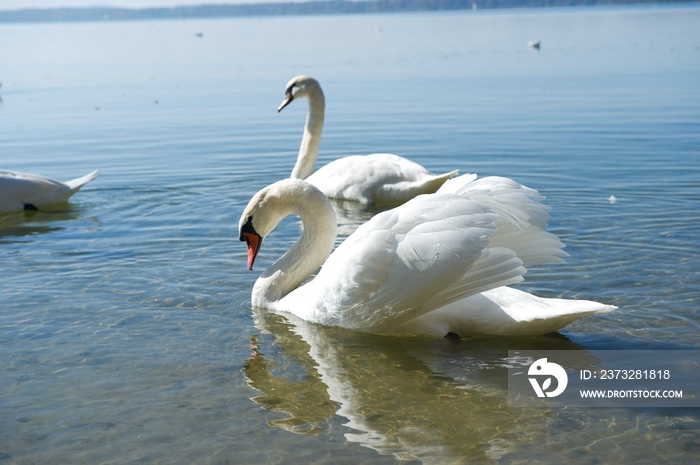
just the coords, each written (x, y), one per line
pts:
(126, 330)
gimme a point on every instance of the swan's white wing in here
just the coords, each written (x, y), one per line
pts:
(515, 203)
(430, 250)
(522, 216)
(18, 189)
(377, 178)
(27, 182)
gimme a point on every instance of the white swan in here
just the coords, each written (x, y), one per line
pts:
(380, 178)
(24, 191)
(435, 265)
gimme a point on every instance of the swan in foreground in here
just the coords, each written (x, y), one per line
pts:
(24, 191)
(380, 178)
(438, 264)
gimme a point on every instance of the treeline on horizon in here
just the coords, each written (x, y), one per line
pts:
(306, 8)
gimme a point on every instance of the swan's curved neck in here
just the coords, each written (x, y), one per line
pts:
(306, 256)
(308, 151)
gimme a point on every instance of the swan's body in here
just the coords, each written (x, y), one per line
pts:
(380, 178)
(20, 191)
(435, 265)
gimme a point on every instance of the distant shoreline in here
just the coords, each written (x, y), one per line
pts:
(281, 9)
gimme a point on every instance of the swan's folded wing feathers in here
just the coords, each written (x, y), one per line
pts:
(514, 202)
(522, 217)
(532, 245)
(18, 189)
(27, 182)
(379, 276)
(518, 204)
(380, 177)
(495, 267)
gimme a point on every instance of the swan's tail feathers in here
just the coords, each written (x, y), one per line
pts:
(532, 315)
(75, 184)
(434, 183)
(455, 185)
(552, 323)
(401, 192)
(504, 312)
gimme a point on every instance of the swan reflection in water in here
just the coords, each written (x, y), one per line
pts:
(26, 224)
(418, 398)
(351, 215)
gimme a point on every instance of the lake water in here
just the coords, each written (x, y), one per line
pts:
(126, 331)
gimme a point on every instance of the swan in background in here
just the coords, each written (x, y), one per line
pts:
(380, 178)
(438, 264)
(24, 191)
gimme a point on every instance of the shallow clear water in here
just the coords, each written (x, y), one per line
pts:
(126, 332)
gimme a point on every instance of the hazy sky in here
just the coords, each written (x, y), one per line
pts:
(20, 4)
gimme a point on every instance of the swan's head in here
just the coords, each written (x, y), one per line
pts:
(299, 87)
(267, 208)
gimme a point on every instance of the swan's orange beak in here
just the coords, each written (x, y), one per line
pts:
(253, 241)
(288, 97)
